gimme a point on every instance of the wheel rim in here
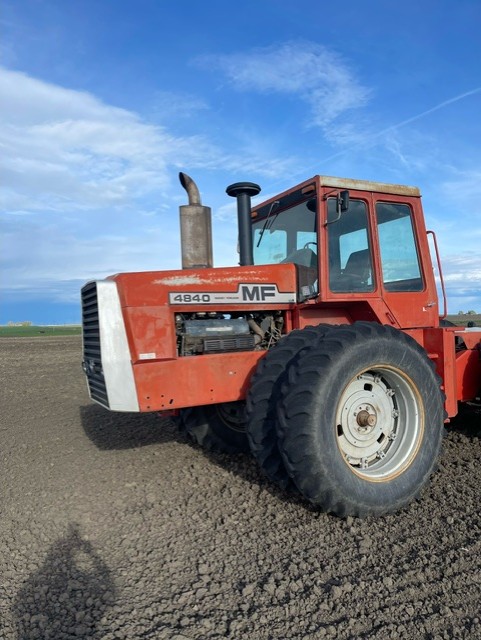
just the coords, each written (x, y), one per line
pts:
(233, 415)
(379, 423)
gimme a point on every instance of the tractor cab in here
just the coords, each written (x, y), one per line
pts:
(352, 240)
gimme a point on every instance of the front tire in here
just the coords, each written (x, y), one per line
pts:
(217, 427)
(360, 423)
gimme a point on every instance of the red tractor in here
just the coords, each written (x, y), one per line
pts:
(322, 353)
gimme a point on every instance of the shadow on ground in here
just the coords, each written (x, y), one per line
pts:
(109, 430)
(245, 467)
(68, 595)
(467, 422)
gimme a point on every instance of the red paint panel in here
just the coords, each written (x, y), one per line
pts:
(151, 332)
(194, 380)
(472, 339)
(439, 343)
(468, 374)
(152, 288)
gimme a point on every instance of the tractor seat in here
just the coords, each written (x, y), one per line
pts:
(355, 275)
(359, 264)
(304, 257)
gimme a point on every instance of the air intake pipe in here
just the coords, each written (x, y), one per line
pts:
(243, 191)
(195, 228)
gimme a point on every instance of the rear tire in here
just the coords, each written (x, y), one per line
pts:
(360, 423)
(262, 399)
(217, 427)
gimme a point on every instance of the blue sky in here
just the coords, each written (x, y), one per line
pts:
(102, 103)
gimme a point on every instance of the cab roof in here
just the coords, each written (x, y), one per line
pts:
(367, 185)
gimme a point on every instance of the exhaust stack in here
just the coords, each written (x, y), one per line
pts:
(195, 228)
(243, 191)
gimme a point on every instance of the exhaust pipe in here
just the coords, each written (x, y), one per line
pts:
(195, 228)
(243, 191)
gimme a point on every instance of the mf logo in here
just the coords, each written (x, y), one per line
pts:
(256, 292)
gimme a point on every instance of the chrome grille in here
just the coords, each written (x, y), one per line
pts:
(92, 354)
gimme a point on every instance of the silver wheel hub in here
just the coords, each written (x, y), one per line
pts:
(379, 423)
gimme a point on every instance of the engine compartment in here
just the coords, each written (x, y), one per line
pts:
(210, 332)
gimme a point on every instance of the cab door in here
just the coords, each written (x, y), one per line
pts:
(406, 274)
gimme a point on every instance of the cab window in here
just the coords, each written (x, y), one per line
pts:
(350, 255)
(399, 255)
(286, 235)
(289, 235)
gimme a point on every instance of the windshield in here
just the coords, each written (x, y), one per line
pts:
(288, 235)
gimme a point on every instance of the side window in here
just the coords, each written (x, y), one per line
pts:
(350, 261)
(399, 256)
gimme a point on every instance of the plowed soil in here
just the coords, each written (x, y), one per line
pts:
(114, 526)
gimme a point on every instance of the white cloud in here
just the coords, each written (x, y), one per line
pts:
(176, 105)
(320, 77)
(86, 188)
(60, 260)
(464, 268)
(465, 187)
(65, 149)
(462, 278)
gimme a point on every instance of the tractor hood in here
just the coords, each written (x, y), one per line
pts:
(216, 289)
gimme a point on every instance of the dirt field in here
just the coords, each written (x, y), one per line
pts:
(113, 526)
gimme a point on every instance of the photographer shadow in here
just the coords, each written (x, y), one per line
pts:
(69, 594)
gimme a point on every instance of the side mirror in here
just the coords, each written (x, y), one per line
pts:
(343, 199)
(342, 202)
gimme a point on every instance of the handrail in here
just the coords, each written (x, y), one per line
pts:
(438, 259)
